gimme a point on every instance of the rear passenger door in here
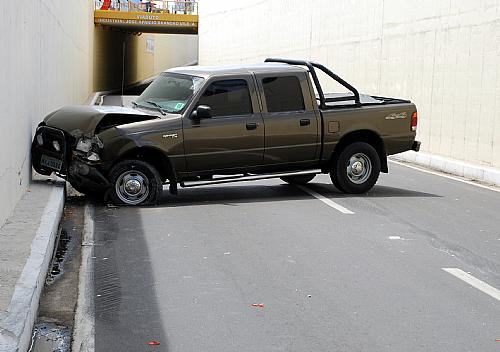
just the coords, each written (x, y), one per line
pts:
(292, 128)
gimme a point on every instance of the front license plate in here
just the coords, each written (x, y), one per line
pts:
(50, 162)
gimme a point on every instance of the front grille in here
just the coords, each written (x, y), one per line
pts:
(49, 135)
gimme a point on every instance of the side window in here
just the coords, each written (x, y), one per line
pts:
(283, 94)
(226, 98)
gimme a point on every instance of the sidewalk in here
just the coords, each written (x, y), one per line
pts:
(26, 246)
(472, 172)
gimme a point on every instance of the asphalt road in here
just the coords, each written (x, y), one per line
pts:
(188, 272)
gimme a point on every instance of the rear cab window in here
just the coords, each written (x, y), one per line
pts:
(283, 94)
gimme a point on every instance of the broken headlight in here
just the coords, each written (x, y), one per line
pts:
(84, 145)
(93, 156)
(89, 148)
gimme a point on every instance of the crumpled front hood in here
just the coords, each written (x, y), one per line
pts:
(83, 119)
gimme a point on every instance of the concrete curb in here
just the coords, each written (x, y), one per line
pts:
(17, 325)
(469, 171)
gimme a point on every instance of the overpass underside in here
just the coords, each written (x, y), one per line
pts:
(148, 22)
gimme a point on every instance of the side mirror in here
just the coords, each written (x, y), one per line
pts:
(202, 112)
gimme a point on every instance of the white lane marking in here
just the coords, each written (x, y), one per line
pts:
(471, 280)
(327, 201)
(454, 178)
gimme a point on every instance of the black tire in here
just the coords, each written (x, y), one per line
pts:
(335, 181)
(298, 180)
(142, 179)
(349, 176)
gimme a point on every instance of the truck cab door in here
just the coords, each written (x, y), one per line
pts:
(233, 136)
(292, 135)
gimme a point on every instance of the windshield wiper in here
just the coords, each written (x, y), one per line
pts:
(135, 104)
(158, 106)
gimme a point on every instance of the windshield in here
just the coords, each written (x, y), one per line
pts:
(170, 91)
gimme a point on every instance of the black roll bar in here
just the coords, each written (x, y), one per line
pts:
(311, 65)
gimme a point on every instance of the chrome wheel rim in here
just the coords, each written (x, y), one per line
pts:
(132, 187)
(359, 168)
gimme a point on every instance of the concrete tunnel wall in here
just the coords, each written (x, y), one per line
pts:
(443, 55)
(47, 61)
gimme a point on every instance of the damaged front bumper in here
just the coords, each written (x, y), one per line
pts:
(85, 175)
(49, 151)
(52, 152)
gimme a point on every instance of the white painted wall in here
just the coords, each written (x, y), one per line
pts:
(173, 50)
(442, 54)
(45, 62)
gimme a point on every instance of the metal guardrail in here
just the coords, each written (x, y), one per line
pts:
(155, 6)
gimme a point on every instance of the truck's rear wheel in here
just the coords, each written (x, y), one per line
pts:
(298, 180)
(135, 182)
(357, 168)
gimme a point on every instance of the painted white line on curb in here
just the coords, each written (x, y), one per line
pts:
(441, 174)
(84, 331)
(471, 280)
(327, 201)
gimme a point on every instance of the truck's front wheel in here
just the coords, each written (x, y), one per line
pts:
(356, 169)
(135, 182)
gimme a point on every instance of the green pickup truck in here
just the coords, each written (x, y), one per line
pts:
(199, 125)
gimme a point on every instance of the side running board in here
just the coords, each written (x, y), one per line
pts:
(246, 177)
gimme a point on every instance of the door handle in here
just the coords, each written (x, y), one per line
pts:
(252, 125)
(305, 122)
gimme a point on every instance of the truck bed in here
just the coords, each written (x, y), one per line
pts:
(342, 100)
